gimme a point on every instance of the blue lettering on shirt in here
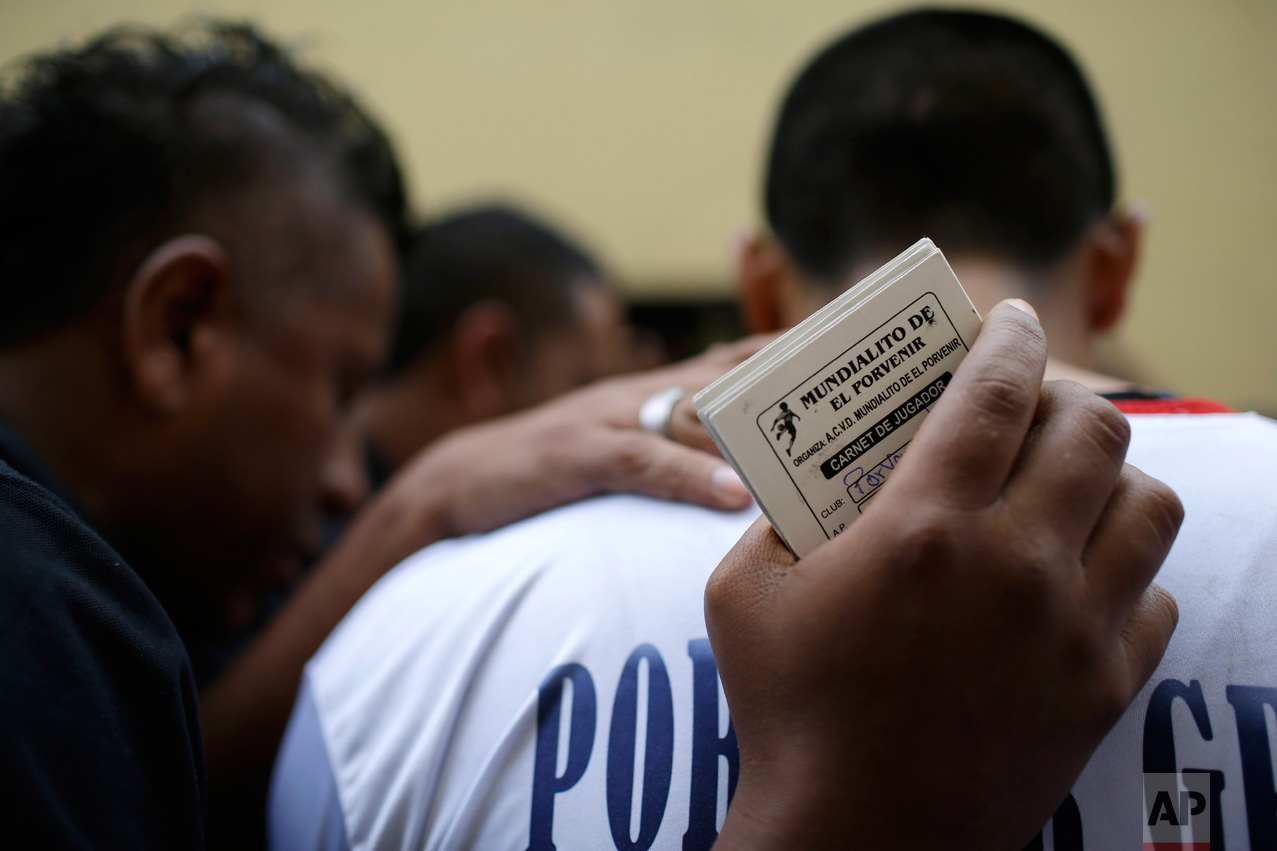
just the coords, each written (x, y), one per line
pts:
(1248, 704)
(658, 760)
(1159, 741)
(546, 783)
(709, 749)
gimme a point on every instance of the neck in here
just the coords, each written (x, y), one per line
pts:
(1094, 381)
(1053, 293)
(60, 392)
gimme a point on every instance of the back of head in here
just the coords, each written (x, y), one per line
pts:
(971, 128)
(106, 150)
(491, 252)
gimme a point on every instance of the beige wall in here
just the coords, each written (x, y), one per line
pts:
(641, 125)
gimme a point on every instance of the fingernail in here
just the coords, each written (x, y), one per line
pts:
(1140, 212)
(730, 487)
(1022, 305)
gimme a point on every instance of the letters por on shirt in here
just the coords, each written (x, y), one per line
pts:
(709, 749)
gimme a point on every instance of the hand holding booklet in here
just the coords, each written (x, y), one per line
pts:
(816, 422)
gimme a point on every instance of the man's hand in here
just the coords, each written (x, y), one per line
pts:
(585, 443)
(939, 674)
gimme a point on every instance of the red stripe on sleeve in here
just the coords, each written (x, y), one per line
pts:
(1173, 405)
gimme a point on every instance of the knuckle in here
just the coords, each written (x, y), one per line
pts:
(932, 545)
(999, 392)
(719, 588)
(657, 467)
(1165, 602)
(632, 456)
(1165, 510)
(746, 576)
(685, 427)
(1108, 428)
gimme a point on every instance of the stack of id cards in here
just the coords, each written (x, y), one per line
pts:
(816, 422)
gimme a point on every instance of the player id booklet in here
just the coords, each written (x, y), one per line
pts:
(815, 422)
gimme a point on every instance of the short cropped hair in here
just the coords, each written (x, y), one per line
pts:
(105, 148)
(489, 252)
(971, 128)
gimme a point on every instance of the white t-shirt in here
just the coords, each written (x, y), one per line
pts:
(550, 684)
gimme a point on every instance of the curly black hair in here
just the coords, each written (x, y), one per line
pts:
(104, 148)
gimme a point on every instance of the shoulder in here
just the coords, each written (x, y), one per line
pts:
(602, 570)
(1233, 433)
(625, 549)
(57, 567)
(35, 518)
(101, 715)
(1219, 669)
(1223, 467)
(426, 697)
(1223, 565)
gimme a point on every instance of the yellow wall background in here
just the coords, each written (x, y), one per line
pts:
(641, 125)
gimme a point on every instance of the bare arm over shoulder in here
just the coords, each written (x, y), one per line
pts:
(478, 478)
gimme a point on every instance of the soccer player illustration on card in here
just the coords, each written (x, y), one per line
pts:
(783, 423)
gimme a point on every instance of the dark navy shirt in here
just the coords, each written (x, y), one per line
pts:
(100, 743)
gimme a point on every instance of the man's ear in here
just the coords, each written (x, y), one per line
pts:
(1113, 256)
(172, 308)
(485, 351)
(765, 283)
